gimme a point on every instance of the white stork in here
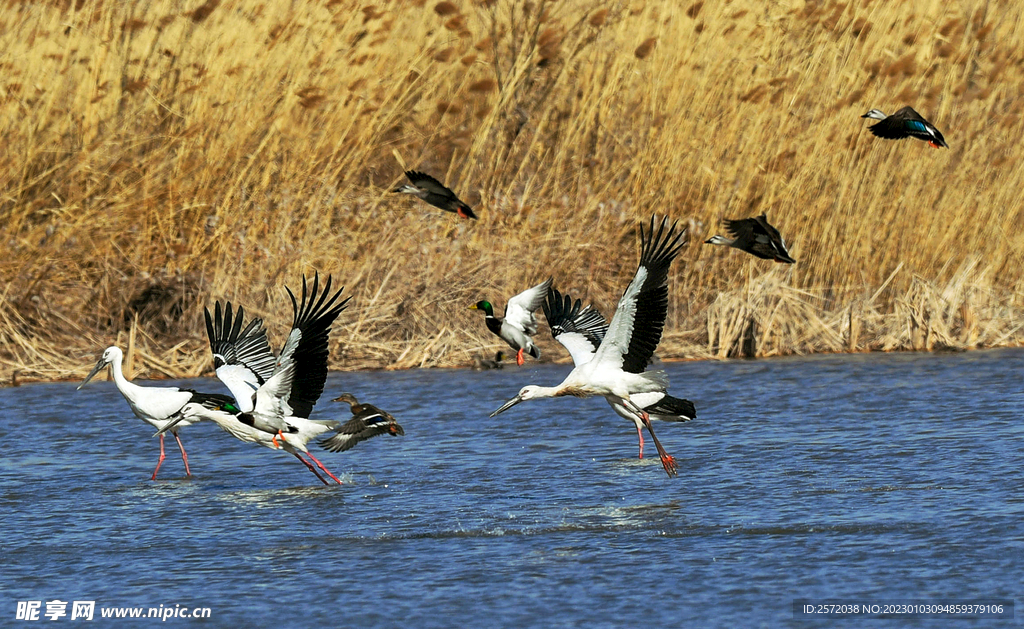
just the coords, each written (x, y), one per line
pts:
(229, 418)
(519, 324)
(274, 396)
(154, 405)
(580, 330)
(617, 370)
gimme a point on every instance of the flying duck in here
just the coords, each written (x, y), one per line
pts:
(519, 324)
(755, 236)
(435, 193)
(905, 123)
(367, 422)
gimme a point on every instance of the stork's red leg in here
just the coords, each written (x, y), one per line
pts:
(640, 434)
(668, 462)
(311, 468)
(161, 461)
(184, 457)
(321, 466)
(519, 357)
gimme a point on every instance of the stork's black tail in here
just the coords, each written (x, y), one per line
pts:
(672, 409)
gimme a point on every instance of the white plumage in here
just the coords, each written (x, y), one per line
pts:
(153, 405)
(617, 369)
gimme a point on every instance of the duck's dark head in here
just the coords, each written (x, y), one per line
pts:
(348, 398)
(229, 407)
(464, 210)
(485, 306)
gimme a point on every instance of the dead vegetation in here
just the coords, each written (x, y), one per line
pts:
(159, 156)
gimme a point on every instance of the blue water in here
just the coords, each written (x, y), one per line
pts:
(883, 478)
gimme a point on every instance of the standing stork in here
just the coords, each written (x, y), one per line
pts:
(519, 325)
(581, 329)
(274, 396)
(154, 405)
(617, 369)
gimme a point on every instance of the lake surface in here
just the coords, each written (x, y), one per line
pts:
(868, 478)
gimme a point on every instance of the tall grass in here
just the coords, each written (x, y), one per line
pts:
(163, 154)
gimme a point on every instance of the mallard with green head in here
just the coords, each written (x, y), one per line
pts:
(519, 324)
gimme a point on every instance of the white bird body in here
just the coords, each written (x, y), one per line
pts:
(617, 370)
(275, 395)
(581, 330)
(154, 405)
(519, 324)
(298, 431)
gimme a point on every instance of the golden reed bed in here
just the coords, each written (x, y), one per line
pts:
(160, 155)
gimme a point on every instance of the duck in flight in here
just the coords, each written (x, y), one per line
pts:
(757, 237)
(519, 325)
(581, 330)
(905, 123)
(367, 422)
(618, 369)
(435, 193)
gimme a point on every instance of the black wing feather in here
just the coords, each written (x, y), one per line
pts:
(313, 317)
(678, 407)
(248, 348)
(656, 255)
(565, 316)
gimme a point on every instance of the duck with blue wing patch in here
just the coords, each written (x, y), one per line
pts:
(905, 123)
(367, 422)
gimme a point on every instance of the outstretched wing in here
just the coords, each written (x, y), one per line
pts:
(366, 426)
(424, 181)
(307, 343)
(579, 329)
(519, 310)
(242, 358)
(635, 330)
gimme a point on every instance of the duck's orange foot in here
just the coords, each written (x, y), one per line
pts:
(519, 358)
(933, 144)
(274, 439)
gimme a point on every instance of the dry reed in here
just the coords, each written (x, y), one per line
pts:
(156, 159)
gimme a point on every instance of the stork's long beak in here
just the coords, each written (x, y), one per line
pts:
(95, 370)
(171, 424)
(507, 405)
